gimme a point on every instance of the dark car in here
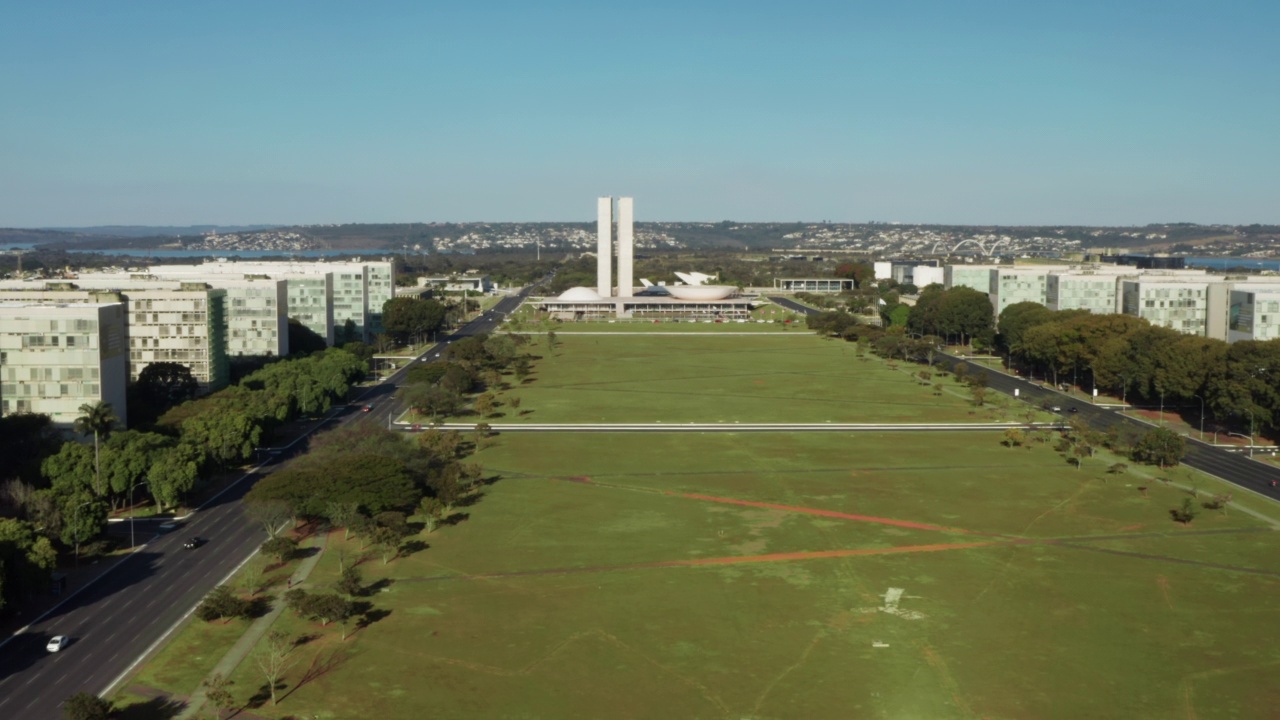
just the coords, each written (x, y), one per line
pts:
(366, 408)
(192, 543)
(1072, 409)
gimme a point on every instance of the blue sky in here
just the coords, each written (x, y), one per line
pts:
(1014, 112)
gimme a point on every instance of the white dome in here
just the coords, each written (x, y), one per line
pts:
(580, 294)
(700, 292)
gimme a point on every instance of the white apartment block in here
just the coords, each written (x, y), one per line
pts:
(353, 291)
(310, 302)
(1181, 306)
(977, 277)
(1083, 290)
(1254, 313)
(56, 357)
(922, 276)
(165, 322)
(1012, 285)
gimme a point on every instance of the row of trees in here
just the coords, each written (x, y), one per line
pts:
(1238, 382)
(78, 485)
(476, 364)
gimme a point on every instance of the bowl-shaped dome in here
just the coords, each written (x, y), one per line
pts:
(580, 294)
(700, 292)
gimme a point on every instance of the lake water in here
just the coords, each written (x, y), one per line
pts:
(142, 252)
(1224, 263)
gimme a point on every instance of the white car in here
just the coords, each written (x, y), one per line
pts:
(57, 642)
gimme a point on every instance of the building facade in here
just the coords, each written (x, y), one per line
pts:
(55, 358)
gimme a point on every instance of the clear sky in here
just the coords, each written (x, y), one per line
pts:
(949, 111)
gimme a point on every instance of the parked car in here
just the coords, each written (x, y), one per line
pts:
(57, 642)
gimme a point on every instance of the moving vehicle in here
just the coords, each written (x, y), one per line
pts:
(192, 543)
(366, 408)
(57, 642)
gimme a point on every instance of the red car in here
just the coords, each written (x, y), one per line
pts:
(366, 408)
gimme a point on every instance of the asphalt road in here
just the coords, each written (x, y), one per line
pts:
(114, 621)
(1233, 467)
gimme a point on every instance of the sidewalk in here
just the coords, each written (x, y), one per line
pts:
(259, 628)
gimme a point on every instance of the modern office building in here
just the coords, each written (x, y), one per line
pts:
(1254, 313)
(1083, 290)
(354, 292)
(182, 322)
(1182, 306)
(977, 277)
(1012, 285)
(813, 285)
(55, 358)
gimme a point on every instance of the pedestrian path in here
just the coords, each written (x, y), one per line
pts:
(254, 633)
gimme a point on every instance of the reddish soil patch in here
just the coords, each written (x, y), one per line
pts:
(816, 554)
(830, 514)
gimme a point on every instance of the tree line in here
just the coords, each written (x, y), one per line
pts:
(63, 491)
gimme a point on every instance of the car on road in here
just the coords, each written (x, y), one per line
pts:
(1056, 408)
(57, 642)
(1073, 409)
(192, 543)
(366, 408)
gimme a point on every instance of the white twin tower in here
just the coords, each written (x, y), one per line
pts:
(605, 216)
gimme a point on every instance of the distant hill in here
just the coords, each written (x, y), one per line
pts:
(135, 231)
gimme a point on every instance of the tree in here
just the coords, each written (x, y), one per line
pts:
(1186, 513)
(98, 419)
(387, 540)
(1160, 446)
(126, 458)
(1013, 437)
(432, 509)
(274, 660)
(407, 318)
(350, 583)
(83, 517)
(551, 339)
(433, 401)
(340, 514)
(174, 472)
(272, 515)
(165, 384)
(217, 694)
(86, 706)
(221, 602)
(280, 548)
(484, 404)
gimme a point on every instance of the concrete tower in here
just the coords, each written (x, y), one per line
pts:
(604, 246)
(626, 247)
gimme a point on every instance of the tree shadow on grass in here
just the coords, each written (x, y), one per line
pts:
(371, 616)
(258, 606)
(469, 499)
(262, 696)
(374, 588)
(455, 519)
(322, 664)
(154, 709)
(411, 547)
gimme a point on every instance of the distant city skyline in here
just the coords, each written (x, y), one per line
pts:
(982, 113)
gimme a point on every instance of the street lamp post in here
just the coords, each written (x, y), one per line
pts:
(1201, 416)
(75, 518)
(131, 511)
(1162, 408)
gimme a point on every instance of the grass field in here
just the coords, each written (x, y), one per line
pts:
(788, 575)
(721, 576)
(728, 379)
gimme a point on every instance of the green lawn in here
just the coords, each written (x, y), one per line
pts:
(725, 576)
(728, 379)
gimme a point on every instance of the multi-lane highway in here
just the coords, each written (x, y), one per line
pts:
(116, 620)
(1230, 466)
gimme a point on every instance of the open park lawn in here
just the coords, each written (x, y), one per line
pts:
(825, 575)
(772, 378)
